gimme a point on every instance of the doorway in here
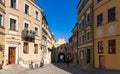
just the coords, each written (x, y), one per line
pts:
(102, 61)
(12, 55)
(88, 56)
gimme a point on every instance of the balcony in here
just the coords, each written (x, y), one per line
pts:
(28, 35)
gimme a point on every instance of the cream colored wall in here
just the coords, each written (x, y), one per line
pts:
(2, 35)
(21, 16)
(105, 33)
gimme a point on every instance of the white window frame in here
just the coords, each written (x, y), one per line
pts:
(35, 14)
(28, 22)
(16, 3)
(13, 17)
(2, 23)
(38, 29)
(29, 8)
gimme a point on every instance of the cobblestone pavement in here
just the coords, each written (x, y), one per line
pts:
(58, 68)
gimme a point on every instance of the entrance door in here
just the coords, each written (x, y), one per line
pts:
(88, 56)
(12, 55)
(102, 61)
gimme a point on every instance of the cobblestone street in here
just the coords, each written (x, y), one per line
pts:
(58, 68)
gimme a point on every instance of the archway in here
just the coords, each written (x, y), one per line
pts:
(61, 57)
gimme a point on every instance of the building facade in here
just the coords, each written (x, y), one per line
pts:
(47, 41)
(75, 44)
(2, 31)
(23, 29)
(59, 52)
(85, 33)
(107, 34)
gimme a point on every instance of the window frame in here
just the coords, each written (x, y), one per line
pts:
(100, 47)
(109, 14)
(110, 50)
(26, 51)
(2, 19)
(99, 19)
(35, 49)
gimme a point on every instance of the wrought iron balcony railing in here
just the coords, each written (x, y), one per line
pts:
(28, 35)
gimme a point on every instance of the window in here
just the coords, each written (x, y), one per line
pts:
(26, 26)
(82, 23)
(111, 46)
(99, 20)
(98, 1)
(100, 47)
(12, 24)
(81, 54)
(26, 9)
(25, 48)
(36, 48)
(36, 14)
(36, 31)
(88, 17)
(88, 35)
(111, 14)
(80, 26)
(80, 39)
(13, 3)
(1, 20)
(83, 38)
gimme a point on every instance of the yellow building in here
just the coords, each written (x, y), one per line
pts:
(2, 31)
(107, 34)
(23, 29)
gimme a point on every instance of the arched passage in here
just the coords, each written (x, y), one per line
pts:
(61, 57)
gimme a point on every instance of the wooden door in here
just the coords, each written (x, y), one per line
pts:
(12, 55)
(102, 61)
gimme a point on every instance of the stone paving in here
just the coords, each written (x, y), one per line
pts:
(57, 68)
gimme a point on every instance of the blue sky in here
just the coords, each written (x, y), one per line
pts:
(61, 16)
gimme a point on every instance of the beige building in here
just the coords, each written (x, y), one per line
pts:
(23, 29)
(47, 41)
(2, 31)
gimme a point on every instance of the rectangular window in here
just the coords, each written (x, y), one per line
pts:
(1, 20)
(99, 20)
(13, 3)
(80, 39)
(82, 23)
(98, 1)
(26, 9)
(83, 38)
(36, 14)
(100, 47)
(79, 25)
(36, 31)
(111, 46)
(88, 35)
(81, 54)
(12, 24)
(88, 18)
(111, 14)
(26, 26)
(36, 49)
(25, 48)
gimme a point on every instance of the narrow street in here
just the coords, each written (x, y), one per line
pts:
(58, 68)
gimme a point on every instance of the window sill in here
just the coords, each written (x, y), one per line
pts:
(27, 14)
(112, 21)
(14, 8)
(13, 30)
